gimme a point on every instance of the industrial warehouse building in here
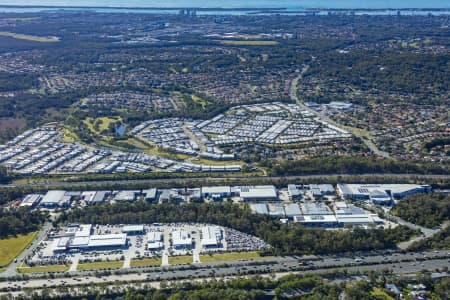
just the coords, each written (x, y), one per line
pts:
(31, 200)
(79, 237)
(258, 193)
(181, 240)
(379, 193)
(211, 237)
(215, 192)
(155, 241)
(133, 229)
(55, 198)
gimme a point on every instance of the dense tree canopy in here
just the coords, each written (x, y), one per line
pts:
(19, 221)
(427, 210)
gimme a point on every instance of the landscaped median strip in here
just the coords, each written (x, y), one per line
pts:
(100, 265)
(146, 262)
(179, 260)
(47, 269)
(229, 256)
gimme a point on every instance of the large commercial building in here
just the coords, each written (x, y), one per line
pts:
(181, 240)
(211, 237)
(155, 241)
(216, 192)
(379, 192)
(133, 229)
(31, 200)
(294, 192)
(54, 199)
(321, 190)
(79, 237)
(292, 210)
(258, 193)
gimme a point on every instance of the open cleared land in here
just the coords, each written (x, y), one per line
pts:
(10, 248)
(46, 269)
(229, 256)
(178, 260)
(32, 38)
(146, 262)
(100, 265)
(250, 43)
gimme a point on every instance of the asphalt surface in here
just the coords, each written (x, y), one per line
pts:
(275, 266)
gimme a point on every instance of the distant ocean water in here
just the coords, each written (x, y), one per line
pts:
(288, 4)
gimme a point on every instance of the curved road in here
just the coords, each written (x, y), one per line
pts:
(326, 119)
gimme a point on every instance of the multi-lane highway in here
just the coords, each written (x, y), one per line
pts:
(275, 266)
(222, 180)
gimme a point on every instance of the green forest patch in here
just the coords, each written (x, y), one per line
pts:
(250, 43)
(32, 38)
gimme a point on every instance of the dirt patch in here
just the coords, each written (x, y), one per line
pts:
(12, 123)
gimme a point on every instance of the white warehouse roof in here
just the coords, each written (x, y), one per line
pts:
(181, 238)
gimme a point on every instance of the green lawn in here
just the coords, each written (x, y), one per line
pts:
(380, 294)
(46, 269)
(146, 262)
(199, 100)
(70, 136)
(250, 43)
(229, 256)
(178, 260)
(204, 161)
(101, 265)
(29, 37)
(104, 125)
(11, 247)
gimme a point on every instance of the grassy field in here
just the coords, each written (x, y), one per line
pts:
(70, 136)
(11, 247)
(146, 262)
(26, 37)
(178, 260)
(380, 294)
(161, 152)
(203, 161)
(199, 100)
(229, 256)
(50, 268)
(105, 121)
(250, 43)
(101, 265)
(20, 19)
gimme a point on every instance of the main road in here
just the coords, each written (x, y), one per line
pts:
(322, 117)
(216, 180)
(277, 266)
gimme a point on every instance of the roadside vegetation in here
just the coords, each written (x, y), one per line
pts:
(146, 262)
(229, 256)
(100, 265)
(23, 269)
(19, 221)
(428, 210)
(439, 241)
(295, 286)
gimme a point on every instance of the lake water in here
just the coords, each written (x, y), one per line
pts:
(288, 4)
